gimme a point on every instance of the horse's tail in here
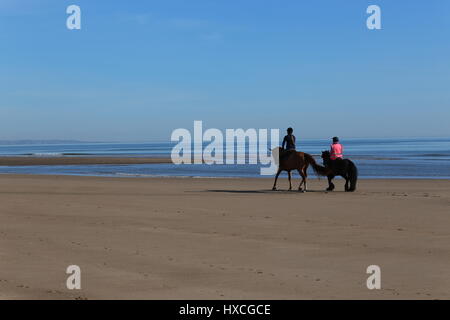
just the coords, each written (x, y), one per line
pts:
(318, 169)
(353, 176)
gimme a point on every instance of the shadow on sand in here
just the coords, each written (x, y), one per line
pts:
(268, 191)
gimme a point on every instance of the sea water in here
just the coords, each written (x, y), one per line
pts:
(375, 158)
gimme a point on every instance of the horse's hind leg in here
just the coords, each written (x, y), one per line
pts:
(305, 176)
(290, 180)
(276, 178)
(347, 181)
(301, 182)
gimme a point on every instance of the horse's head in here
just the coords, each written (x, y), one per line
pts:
(276, 154)
(326, 157)
(277, 151)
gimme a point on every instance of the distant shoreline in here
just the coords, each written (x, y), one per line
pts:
(43, 161)
(77, 159)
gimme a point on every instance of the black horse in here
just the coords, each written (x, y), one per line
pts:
(340, 167)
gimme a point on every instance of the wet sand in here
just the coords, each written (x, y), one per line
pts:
(178, 238)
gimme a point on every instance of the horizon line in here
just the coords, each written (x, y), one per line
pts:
(75, 141)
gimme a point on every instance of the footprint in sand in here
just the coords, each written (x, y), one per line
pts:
(23, 286)
(53, 292)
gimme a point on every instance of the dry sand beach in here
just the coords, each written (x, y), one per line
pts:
(175, 238)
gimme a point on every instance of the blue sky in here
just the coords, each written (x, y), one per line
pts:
(139, 69)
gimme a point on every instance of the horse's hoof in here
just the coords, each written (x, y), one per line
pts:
(274, 189)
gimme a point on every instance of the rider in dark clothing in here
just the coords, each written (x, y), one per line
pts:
(289, 142)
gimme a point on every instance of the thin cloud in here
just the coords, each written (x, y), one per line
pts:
(22, 7)
(213, 36)
(186, 23)
(137, 18)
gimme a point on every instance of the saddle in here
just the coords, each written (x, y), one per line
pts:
(284, 154)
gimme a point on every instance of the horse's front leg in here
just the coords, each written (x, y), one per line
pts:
(276, 178)
(330, 184)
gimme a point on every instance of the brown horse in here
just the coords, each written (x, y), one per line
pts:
(289, 160)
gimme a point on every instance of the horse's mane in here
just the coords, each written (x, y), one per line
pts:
(326, 155)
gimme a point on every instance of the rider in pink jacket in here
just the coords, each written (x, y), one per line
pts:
(337, 150)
